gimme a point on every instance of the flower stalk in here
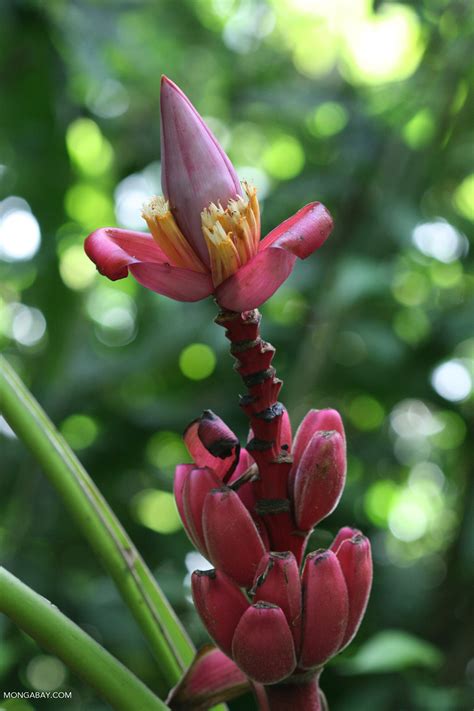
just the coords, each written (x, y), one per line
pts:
(270, 442)
(295, 696)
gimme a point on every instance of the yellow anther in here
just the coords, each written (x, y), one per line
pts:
(232, 234)
(168, 236)
(222, 252)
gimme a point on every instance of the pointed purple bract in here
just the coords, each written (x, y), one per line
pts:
(195, 169)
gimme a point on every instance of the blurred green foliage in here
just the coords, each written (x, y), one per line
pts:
(366, 106)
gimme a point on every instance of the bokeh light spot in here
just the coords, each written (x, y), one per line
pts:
(452, 431)
(20, 235)
(385, 46)
(440, 240)
(408, 520)
(420, 129)
(284, 157)
(45, 673)
(379, 499)
(108, 99)
(114, 313)
(165, 450)
(410, 288)
(414, 419)
(452, 380)
(463, 198)
(328, 119)
(411, 325)
(197, 361)
(157, 510)
(89, 150)
(27, 325)
(79, 431)
(247, 143)
(132, 192)
(366, 413)
(89, 206)
(314, 52)
(446, 276)
(195, 561)
(76, 269)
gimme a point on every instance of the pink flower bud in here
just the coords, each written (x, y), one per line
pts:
(216, 437)
(195, 170)
(319, 479)
(220, 605)
(197, 486)
(211, 677)
(278, 581)
(325, 608)
(212, 444)
(235, 546)
(262, 645)
(355, 559)
(315, 421)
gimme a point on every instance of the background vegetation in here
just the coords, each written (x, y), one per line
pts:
(364, 106)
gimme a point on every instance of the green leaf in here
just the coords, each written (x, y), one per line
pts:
(392, 651)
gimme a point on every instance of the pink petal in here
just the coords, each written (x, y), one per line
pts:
(256, 281)
(174, 282)
(303, 233)
(112, 250)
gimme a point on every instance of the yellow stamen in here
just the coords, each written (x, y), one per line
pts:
(222, 252)
(168, 236)
(237, 226)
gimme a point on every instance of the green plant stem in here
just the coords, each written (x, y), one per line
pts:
(140, 591)
(55, 632)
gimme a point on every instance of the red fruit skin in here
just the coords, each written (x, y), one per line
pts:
(232, 539)
(220, 605)
(278, 581)
(355, 558)
(181, 473)
(342, 535)
(325, 609)
(316, 421)
(263, 645)
(198, 484)
(319, 479)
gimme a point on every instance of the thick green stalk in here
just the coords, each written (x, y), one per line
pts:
(140, 591)
(55, 632)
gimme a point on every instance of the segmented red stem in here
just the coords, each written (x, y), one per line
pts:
(253, 358)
